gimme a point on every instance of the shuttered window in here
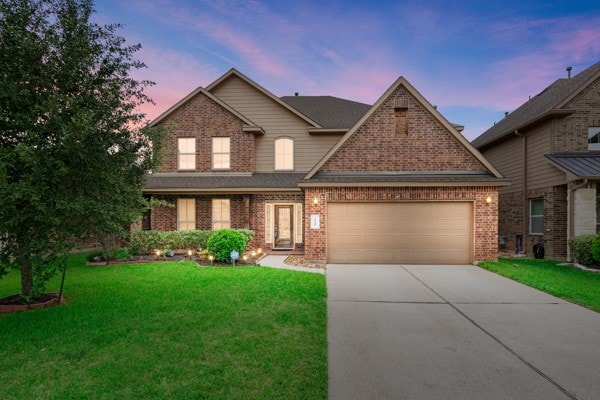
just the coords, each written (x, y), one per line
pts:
(221, 215)
(284, 154)
(186, 214)
(186, 154)
(220, 153)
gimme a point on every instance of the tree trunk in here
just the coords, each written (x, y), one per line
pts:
(26, 278)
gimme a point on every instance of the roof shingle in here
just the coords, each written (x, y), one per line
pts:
(583, 165)
(329, 111)
(215, 182)
(549, 99)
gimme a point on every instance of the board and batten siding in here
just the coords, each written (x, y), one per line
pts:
(276, 121)
(540, 173)
(507, 157)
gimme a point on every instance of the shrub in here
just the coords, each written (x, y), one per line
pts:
(248, 234)
(596, 249)
(581, 249)
(122, 254)
(148, 241)
(223, 242)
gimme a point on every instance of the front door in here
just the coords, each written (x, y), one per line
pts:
(283, 226)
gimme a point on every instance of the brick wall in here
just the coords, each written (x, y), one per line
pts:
(165, 218)
(571, 133)
(202, 118)
(485, 218)
(376, 146)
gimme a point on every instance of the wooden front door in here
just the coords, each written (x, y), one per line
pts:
(284, 226)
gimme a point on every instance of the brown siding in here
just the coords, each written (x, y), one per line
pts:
(507, 157)
(202, 118)
(540, 173)
(276, 121)
(375, 146)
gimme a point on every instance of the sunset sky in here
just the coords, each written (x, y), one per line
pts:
(473, 59)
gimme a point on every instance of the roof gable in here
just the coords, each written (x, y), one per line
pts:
(548, 103)
(235, 73)
(432, 143)
(215, 99)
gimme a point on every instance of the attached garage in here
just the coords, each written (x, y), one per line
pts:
(428, 232)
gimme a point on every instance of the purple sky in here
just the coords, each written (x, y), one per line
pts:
(473, 59)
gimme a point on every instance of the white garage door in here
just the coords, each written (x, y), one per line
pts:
(400, 233)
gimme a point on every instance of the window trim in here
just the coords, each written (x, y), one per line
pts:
(220, 221)
(214, 153)
(186, 221)
(593, 131)
(293, 161)
(179, 154)
(532, 216)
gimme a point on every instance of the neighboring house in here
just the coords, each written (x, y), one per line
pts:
(547, 148)
(337, 180)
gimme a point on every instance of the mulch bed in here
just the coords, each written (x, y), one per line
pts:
(16, 303)
(300, 261)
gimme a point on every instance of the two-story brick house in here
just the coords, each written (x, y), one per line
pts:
(548, 149)
(338, 180)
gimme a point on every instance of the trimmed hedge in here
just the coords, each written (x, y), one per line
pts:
(146, 242)
(581, 249)
(223, 242)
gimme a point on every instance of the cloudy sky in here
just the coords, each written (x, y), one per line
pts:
(473, 59)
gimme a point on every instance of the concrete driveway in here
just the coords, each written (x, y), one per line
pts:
(455, 332)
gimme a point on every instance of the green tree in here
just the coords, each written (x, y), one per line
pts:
(73, 150)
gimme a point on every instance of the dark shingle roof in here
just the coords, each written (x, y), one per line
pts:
(208, 182)
(329, 111)
(583, 165)
(406, 176)
(546, 101)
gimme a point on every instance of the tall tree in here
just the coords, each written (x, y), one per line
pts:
(73, 152)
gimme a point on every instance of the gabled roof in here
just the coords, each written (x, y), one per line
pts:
(549, 103)
(251, 126)
(577, 165)
(234, 72)
(329, 111)
(401, 81)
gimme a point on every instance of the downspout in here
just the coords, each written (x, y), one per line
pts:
(524, 191)
(571, 226)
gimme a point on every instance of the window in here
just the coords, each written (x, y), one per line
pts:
(220, 153)
(536, 216)
(594, 138)
(186, 153)
(186, 214)
(284, 154)
(221, 216)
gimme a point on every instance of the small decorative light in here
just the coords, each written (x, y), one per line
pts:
(157, 253)
(315, 201)
(488, 200)
(190, 254)
(253, 253)
(211, 258)
(245, 257)
(259, 250)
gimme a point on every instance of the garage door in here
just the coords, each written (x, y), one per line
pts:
(395, 233)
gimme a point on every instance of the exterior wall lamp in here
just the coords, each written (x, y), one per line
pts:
(488, 200)
(315, 201)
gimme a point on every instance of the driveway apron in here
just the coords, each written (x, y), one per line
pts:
(455, 332)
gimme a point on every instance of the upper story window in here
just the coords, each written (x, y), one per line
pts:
(186, 154)
(186, 214)
(594, 138)
(284, 154)
(221, 153)
(536, 216)
(221, 215)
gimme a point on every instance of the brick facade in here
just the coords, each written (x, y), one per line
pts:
(202, 118)
(376, 146)
(485, 215)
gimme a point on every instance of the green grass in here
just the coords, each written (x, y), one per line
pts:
(169, 331)
(569, 283)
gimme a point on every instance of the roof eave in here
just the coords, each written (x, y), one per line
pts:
(220, 190)
(491, 182)
(327, 131)
(529, 124)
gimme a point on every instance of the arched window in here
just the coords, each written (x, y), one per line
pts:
(284, 154)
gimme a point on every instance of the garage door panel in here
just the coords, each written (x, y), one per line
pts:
(425, 232)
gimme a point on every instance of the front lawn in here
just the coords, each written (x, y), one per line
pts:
(169, 330)
(569, 283)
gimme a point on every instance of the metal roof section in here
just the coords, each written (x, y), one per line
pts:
(577, 165)
(547, 104)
